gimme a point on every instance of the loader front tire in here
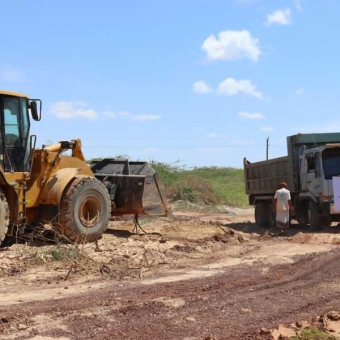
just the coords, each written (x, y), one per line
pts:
(85, 210)
(4, 214)
(3, 231)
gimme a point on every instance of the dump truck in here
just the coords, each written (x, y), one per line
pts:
(312, 171)
(54, 184)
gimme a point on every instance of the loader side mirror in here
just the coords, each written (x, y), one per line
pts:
(35, 111)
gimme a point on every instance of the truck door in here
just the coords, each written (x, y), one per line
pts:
(331, 168)
(313, 176)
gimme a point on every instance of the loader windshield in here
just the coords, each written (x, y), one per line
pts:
(331, 162)
(14, 133)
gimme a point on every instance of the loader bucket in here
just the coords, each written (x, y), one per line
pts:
(134, 187)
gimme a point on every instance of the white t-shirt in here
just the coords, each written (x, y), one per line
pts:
(283, 196)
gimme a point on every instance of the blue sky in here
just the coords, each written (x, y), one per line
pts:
(202, 82)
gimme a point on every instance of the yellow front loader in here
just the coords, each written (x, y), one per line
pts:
(46, 186)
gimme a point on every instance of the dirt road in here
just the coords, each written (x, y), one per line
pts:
(193, 276)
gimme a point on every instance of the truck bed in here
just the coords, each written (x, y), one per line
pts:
(263, 178)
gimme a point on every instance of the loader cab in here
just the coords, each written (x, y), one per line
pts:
(15, 146)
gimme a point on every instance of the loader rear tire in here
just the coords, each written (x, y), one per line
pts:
(85, 210)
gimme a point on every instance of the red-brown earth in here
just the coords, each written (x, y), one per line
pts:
(196, 275)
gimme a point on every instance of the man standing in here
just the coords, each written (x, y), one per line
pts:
(282, 205)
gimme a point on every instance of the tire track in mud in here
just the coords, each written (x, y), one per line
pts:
(231, 305)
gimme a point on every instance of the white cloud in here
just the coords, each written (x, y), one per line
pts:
(297, 4)
(279, 17)
(69, 110)
(232, 45)
(249, 115)
(109, 114)
(201, 87)
(113, 114)
(267, 129)
(300, 91)
(146, 117)
(232, 87)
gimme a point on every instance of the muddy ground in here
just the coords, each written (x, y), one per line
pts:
(196, 275)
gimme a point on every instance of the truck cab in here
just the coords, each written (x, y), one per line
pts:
(318, 168)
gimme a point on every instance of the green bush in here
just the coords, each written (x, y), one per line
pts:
(210, 185)
(194, 189)
(313, 334)
(62, 254)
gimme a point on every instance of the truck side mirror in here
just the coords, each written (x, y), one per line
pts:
(317, 173)
(304, 166)
(317, 165)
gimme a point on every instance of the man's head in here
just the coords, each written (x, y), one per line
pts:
(283, 185)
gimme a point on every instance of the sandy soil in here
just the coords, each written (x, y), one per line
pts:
(196, 275)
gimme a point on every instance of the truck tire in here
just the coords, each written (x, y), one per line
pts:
(85, 210)
(314, 219)
(326, 222)
(271, 216)
(261, 214)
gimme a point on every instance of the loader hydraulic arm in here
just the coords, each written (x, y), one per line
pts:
(76, 149)
(74, 145)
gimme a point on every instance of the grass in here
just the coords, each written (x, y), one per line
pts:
(228, 184)
(314, 334)
(59, 254)
(221, 185)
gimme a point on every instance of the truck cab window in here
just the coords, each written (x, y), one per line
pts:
(311, 163)
(331, 162)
